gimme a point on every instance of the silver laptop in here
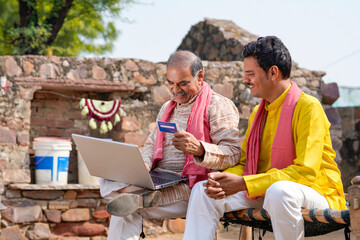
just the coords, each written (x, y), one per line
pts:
(121, 162)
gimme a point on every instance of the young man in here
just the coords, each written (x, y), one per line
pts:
(287, 161)
(209, 136)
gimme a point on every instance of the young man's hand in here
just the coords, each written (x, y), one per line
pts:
(221, 185)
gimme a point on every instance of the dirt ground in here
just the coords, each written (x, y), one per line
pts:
(233, 234)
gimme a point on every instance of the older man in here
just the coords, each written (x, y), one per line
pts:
(287, 162)
(208, 139)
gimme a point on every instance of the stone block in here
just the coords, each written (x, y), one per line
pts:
(53, 216)
(79, 229)
(225, 89)
(55, 59)
(7, 136)
(212, 74)
(65, 63)
(76, 215)
(176, 225)
(245, 112)
(27, 94)
(23, 139)
(4, 164)
(315, 83)
(28, 67)
(70, 194)
(161, 94)
(130, 124)
(79, 73)
(146, 66)
(98, 73)
(333, 117)
(300, 81)
(12, 69)
(49, 70)
(59, 205)
(73, 203)
(329, 93)
(87, 202)
(13, 124)
(16, 176)
(161, 70)
(10, 193)
(4, 157)
(101, 214)
(39, 231)
(12, 233)
(141, 79)
(24, 212)
(131, 66)
(88, 194)
(336, 143)
(45, 194)
(135, 138)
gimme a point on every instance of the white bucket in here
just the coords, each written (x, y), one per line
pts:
(83, 173)
(51, 160)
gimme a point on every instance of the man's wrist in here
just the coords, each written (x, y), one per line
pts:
(201, 151)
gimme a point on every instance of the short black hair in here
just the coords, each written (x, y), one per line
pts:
(270, 51)
(183, 58)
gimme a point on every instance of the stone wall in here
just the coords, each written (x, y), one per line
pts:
(217, 40)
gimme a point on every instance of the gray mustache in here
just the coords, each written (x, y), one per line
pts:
(180, 93)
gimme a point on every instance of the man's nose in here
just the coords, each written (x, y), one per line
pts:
(245, 79)
(176, 89)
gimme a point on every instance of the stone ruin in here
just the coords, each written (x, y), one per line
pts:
(42, 99)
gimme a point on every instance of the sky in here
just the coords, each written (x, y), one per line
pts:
(321, 35)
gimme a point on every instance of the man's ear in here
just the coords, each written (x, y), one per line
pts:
(274, 72)
(200, 76)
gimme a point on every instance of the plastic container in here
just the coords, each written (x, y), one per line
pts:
(83, 173)
(51, 160)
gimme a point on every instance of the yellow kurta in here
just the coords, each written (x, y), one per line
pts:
(314, 165)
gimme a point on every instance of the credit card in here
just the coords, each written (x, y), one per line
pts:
(167, 127)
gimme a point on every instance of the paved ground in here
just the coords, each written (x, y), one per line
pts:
(232, 235)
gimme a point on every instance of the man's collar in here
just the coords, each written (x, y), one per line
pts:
(278, 102)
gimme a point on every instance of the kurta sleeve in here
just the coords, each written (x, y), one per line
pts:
(224, 149)
(310, 126)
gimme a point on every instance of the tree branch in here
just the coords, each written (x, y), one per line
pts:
(28, 13)
(56, 20)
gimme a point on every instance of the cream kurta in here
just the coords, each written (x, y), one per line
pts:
(223, 152)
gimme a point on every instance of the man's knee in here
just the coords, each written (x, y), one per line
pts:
(279, 189)
(282, 195)
(198, 187)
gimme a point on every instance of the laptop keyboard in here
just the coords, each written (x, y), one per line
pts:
(159, 180)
